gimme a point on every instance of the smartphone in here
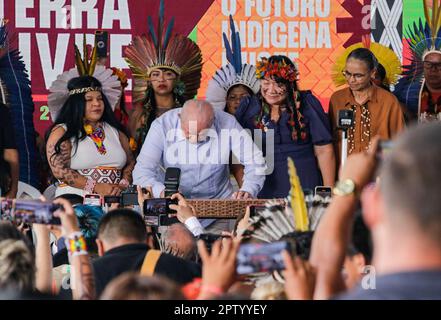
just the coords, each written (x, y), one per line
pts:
(156, 211)
(93, 200)
(112, 199)
(101, 40)
(159, 206)
(33, 211)
(6, 210)
(209, 239)
(172, 180)
(261, 257)
(129, 197)
(323, 191)
(254, 210)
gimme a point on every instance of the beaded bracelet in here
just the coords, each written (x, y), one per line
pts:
(212, 289)
(76, 244)
(90, 185)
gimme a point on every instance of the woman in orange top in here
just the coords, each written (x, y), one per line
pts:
(376, 111)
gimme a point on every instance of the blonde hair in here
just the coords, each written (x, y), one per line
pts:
(17, 268)
(271, 290)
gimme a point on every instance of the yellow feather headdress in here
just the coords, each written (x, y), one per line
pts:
(384, 55)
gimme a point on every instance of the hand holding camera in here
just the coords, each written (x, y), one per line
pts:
(183, 210)
(69, 221)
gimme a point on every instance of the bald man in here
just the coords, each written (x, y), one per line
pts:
(198, 140)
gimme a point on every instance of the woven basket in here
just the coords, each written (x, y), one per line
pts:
(225, 208)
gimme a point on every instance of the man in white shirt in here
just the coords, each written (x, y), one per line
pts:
(198, 140)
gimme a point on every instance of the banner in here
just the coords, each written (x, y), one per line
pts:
(311, 32)
(45, 32)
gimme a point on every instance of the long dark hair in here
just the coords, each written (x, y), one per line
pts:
(291, 106)
(73, 111)
(150, 109)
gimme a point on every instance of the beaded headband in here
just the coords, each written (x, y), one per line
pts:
(84, 90)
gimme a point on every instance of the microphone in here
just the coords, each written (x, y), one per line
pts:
(345, 121)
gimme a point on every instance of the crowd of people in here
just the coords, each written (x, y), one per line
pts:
(256, 135)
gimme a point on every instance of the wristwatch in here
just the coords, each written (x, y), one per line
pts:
(344, 188)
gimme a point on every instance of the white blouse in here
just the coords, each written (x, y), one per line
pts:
(86, 156)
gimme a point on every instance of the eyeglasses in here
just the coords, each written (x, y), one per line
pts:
(357, 76)
(432, 66)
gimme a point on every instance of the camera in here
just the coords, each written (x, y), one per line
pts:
(93, 200)
(254, 210)
(112, 199)
(209, 239)
(345, 119)
(101, 40)
(156, 211)
(129, 197)
(171, 182)
(261, 257)
(32, 211)
(323, 191)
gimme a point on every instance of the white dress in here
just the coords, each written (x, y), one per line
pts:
(86, 156)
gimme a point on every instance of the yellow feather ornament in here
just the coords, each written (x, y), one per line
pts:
(297, 199)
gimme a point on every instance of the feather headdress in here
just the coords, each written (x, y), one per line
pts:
(423, 39)
(294, 223)
(234, 73)
(161, 49)
(110, 85)
(15, 92)
(387, 57)
(302, 214)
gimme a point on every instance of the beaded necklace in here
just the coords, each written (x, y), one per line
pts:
(97, 135)
(263, 118)
(365, 121)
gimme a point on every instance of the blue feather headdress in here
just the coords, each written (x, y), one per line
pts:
(16, 94)
(162, 49)
(234, 73)
(423, 39)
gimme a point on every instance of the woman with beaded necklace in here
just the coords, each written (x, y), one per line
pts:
(87, 148)
(376, 111)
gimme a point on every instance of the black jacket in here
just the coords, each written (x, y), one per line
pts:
(130, 258)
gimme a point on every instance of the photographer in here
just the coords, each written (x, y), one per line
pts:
(402, 211)
(122, 246)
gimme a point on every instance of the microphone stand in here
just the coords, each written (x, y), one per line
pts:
(344, 145)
